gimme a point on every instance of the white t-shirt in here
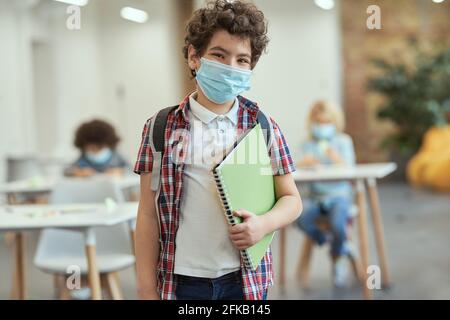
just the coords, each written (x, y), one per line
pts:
(203, 246)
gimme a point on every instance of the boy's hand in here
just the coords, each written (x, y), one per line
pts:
(247, 233)
(114, 171)
(83, 172)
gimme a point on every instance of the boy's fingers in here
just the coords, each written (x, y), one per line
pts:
(237, 236)
(238, 240)
(243, 213)
(238, 228)
(241, 245)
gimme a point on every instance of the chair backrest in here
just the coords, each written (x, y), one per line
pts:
(56, 242)
(25, 167)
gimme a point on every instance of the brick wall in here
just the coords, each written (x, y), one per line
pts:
(401, 20)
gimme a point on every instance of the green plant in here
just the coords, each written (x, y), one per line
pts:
(417, 98)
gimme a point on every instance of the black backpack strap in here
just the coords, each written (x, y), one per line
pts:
(157, 143)
(159, 128)
(265, 126)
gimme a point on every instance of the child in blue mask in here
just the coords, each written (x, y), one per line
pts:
(185, 248)
(97, 141)
(328, 145)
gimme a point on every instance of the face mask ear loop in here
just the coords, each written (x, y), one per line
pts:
(193, 73)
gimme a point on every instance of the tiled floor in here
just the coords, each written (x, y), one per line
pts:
(417, 230)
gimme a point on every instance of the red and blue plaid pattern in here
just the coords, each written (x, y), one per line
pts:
(255, 283)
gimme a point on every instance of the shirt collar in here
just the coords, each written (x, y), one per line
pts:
(206, 116)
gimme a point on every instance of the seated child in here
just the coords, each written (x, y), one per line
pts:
(97, 141)
(328, 145)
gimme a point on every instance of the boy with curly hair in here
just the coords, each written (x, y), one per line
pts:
(184, 246)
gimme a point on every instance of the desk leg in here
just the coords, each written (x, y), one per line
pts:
(282, 259)
(93, 274)
(132, 238)
(378, 228)
(19, 290)
(305, 261)
(13, 292)
(363, 238)
(12, 199)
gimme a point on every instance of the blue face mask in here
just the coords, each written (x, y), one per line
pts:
(100, 157)
(323, 131)
(220, 82)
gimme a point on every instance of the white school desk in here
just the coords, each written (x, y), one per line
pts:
(360, 175)
(79, 217)
(45, 185)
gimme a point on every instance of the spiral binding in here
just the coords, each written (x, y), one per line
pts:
(229, 213)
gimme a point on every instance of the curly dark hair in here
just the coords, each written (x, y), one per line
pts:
(237, 17)
(96, 132)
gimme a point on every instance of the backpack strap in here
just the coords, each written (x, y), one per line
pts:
(157, 143)
(265, 126)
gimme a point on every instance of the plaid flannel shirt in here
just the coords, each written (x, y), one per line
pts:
(255, 283)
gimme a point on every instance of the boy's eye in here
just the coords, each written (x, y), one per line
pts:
(244, 61)
(218, 55)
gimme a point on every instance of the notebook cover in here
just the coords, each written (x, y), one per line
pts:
(244, 180)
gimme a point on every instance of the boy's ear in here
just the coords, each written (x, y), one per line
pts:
(193, 58)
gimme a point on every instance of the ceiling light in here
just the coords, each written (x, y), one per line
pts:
(79, 3)
(133, 14)
(325, 4)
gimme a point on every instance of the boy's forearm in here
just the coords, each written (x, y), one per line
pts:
(285, 211)
(147, 254)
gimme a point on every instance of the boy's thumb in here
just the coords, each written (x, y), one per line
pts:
(243, 213)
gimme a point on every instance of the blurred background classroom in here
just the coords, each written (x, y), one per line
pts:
(121, 66)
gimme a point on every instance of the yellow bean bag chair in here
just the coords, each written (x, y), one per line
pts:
(430, 167)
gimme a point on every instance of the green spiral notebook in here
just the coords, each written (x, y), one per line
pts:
(244, 180)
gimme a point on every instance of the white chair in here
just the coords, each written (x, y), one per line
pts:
(58, 249)
(22, 167)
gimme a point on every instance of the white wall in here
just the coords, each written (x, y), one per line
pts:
(303, 64)
(16, 109)
(46, 110)
(77, 73)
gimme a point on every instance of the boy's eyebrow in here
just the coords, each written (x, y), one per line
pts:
(227, 52)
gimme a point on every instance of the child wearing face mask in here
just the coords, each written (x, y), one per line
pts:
(328, 145)
(97, 141)
(185, 249)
